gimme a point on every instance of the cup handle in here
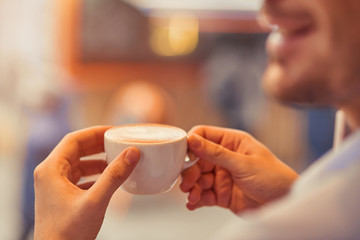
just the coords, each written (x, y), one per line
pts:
(188, 163)
(94, 177)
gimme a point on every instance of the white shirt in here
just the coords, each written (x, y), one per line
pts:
(324, 203)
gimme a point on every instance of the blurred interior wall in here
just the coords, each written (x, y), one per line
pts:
(26, 57)
(27, 69)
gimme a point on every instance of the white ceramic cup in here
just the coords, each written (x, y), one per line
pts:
(163, 155)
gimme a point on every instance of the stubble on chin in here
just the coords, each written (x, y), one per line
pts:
(290, 90)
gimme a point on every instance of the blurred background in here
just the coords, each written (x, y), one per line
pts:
(70, 64)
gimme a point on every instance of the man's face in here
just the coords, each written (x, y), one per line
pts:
(314, 56)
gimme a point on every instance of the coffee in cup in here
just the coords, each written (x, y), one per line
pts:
(163, 152)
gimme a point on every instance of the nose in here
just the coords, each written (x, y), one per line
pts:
(262, 20)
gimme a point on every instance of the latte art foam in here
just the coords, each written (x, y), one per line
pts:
(145, 133)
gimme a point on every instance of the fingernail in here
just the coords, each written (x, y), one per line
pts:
(195, 141)
(132, 156)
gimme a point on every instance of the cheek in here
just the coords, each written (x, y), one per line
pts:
(339, 65)
(338, 21)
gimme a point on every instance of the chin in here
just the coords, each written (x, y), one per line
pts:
(289, 90)
(274, 84)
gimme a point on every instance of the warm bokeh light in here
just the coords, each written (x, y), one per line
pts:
(178, 37)
(241, 5)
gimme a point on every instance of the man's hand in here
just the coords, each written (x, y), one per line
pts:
(235, 171)
(64, 210)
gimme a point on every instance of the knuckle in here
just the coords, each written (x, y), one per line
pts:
(219, 152)
(244, 135)
(68, 136)
(68, 139)
(39, 173)
(197, 128)
(247, 137)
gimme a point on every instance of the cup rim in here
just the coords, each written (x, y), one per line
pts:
(106, 136)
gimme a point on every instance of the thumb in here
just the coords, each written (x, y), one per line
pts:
(115, 174)
(214, 153)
